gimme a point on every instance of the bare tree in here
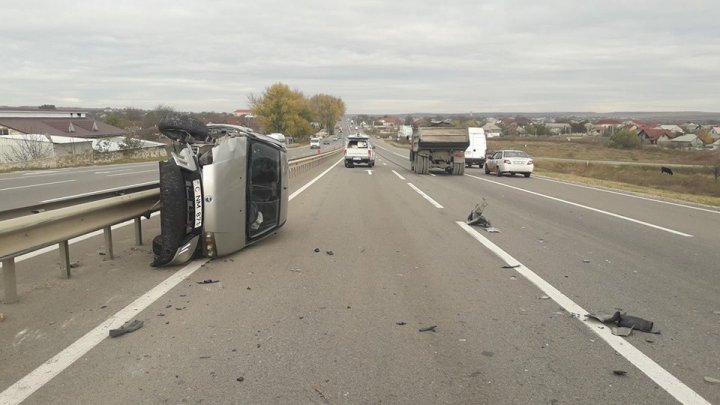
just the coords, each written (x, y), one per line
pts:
(27, 147)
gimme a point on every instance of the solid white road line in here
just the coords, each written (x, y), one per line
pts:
(36, 185)
(425, 196)
(398, 174)
(37, 378)
(662, 377)
(131, 173)
(628, 195)
(98, 191)
(612, 214)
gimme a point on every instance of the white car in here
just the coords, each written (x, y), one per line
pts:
(509, 161)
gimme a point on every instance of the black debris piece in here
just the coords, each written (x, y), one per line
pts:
(208, 281)
(240, 379)
(619, 372)
(103, 307)
(514, 266)
(400, 323)
(316, 250)
(625, 321)
(428, 329)
(131, 327)
(330, 253)
(476, 217)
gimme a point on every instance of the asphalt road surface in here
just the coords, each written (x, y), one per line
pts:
(285, 324)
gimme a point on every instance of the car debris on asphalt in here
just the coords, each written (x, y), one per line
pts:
(131, 327)
(208, 281)
(476, 217)
(428, 329)
(625, 321)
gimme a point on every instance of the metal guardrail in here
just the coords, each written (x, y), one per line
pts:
(41, 226)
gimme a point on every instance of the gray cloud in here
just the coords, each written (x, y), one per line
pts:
(400, 56)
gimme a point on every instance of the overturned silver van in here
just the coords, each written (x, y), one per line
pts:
(224, 187)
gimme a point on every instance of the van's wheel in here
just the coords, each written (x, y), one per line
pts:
(487, 169)
(526, 174)
(157, 245)
(424, 164)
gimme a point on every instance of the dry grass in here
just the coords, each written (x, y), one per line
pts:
(695, 184)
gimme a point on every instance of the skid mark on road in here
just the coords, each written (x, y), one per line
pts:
(612, 214)
(662, 377)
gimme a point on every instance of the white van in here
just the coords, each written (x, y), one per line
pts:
(314, 143)
(475, 153)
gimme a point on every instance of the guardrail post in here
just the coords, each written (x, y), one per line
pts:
(108, 242)
(64, 250)
(138, 232)
(8, 266)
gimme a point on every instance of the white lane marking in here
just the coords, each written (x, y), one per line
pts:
(425, 196)
(662, 377)
(37, 378)
(39, 173)
(22, 389)
(370, 172)
(98, 191)
(398, 174)
(612, 214)
(628, 195)
(384, 164)
(131, 173)
(311, 182)
(36, 185)
(113, 171)
(432, 174)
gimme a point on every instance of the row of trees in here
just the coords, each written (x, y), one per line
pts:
(282, 109)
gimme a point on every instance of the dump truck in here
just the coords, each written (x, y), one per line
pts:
(438, 147)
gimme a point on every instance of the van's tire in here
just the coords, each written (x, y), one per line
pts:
(179, 126)
(526, 174)
(458, 169)
(173, 217)
(487, 170)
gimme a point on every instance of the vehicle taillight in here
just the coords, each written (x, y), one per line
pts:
(507, 162)
(369, 152)
(530, 162)
(210, 250)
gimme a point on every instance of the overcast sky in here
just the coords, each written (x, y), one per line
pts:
(393, 56)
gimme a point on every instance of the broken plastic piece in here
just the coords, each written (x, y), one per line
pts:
(131, 327)
(619, 372)
(330, 253)
(316, 250)
(508, 266)
(428, 329)
(208, 281)
(490, 229)
(622, 331)
(711, 380)
(400, 323)
(634, 322)
(476, 217)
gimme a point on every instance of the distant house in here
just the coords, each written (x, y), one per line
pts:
(492, 130)
(55, 123)
(558, 128)
(652, 135)
(689, 141)
(28, 147)
(674, 129)
(715, 132)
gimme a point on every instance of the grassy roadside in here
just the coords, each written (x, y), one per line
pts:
(696, 184)
(691, 184)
